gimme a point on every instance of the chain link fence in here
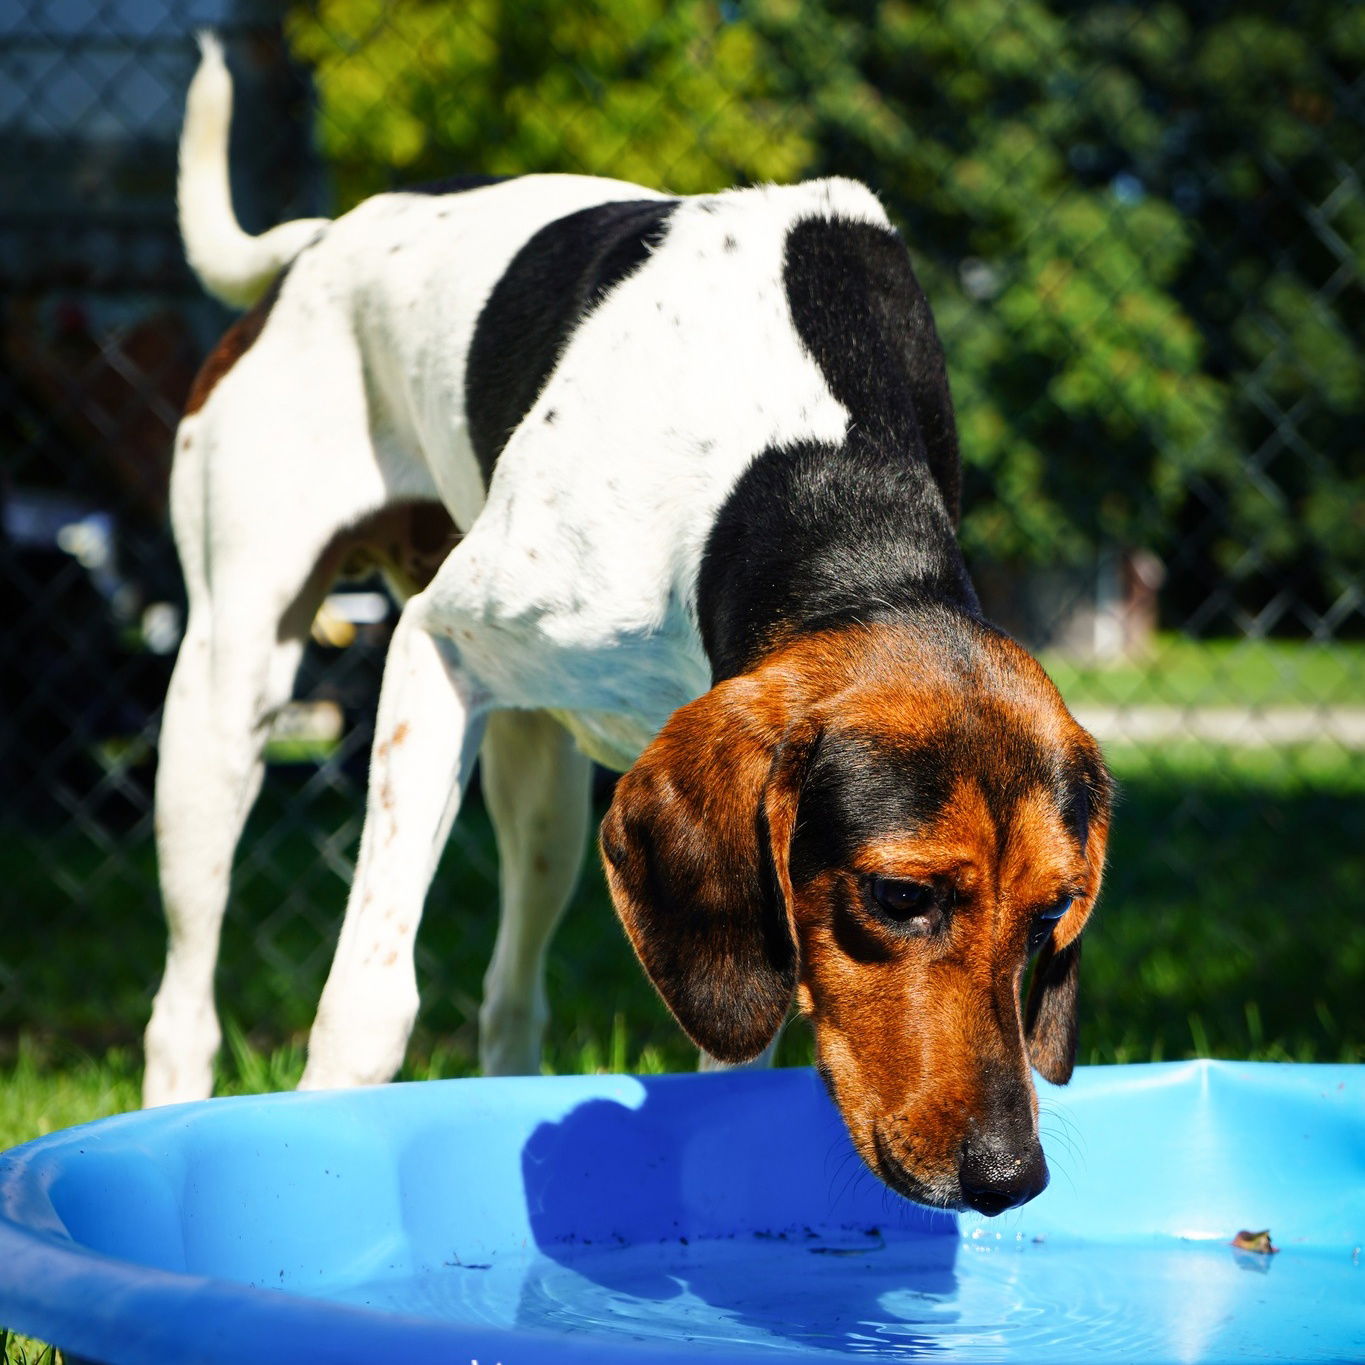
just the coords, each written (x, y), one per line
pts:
(1141, 229)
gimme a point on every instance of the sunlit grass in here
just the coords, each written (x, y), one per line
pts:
(1183, 672)
(1230, 926)
(19, 1350)
(49, 1087)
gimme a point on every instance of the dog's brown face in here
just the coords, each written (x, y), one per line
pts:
(887, 825)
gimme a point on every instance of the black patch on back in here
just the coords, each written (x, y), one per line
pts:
(819, 536)
(455, 184)
(555, 280)
(862, 315)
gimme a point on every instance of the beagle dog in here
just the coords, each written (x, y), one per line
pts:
(671, 484)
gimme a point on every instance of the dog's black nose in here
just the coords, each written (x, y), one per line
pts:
(997, 1174)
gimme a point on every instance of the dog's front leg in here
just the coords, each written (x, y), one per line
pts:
(430, 723)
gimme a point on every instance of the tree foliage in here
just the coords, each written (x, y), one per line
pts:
(658, 92)
(1141, 227)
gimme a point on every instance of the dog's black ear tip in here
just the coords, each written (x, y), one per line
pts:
(1055, 1075)
(734, 1036)
(1052, 1056)
(728, 1056)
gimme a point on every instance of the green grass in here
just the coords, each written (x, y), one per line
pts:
(46, 1088)
(17, 1350)
(1250, 943)
(1231, 926)
(1184, 672)
(1231, 923)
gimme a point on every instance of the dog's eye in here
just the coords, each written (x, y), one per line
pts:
(903, 902)
(1054, 912)
(1043, 922)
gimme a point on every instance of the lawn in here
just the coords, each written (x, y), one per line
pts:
(1184, 672)
(1230, 925)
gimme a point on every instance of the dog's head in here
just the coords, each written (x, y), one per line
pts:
(887, 824)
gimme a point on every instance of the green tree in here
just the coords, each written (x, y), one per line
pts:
(1082, 395)
(1255, 130)
(656, 92)
(1140, 226)
(1142, 229)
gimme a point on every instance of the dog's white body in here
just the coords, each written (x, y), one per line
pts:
(571, 591)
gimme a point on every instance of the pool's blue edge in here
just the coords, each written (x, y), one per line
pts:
(49, 1284)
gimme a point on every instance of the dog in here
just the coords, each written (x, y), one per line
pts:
(672, 484)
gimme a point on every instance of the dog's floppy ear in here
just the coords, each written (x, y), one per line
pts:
(1050, 1016)
(696, 847)
(1050, 1013)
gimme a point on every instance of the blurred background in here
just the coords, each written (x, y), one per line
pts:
(1141, 227)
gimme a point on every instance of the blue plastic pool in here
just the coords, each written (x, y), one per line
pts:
(689, 1218)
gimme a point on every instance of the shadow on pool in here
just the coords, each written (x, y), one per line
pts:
(757, 1227)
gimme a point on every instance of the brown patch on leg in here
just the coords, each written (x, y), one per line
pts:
(236, 342)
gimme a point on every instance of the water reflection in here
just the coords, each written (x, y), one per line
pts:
(750, 1232)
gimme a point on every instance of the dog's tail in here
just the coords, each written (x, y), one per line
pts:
(231, 264)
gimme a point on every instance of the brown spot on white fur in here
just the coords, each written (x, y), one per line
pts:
(236, 342)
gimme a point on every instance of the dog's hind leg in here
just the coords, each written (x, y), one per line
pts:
(235, 669)
(258, 533)
(536, 785)
(427, 733)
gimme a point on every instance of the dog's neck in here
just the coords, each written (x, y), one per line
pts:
(815, 537)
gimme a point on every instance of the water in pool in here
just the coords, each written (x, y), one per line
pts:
(987, 1296)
